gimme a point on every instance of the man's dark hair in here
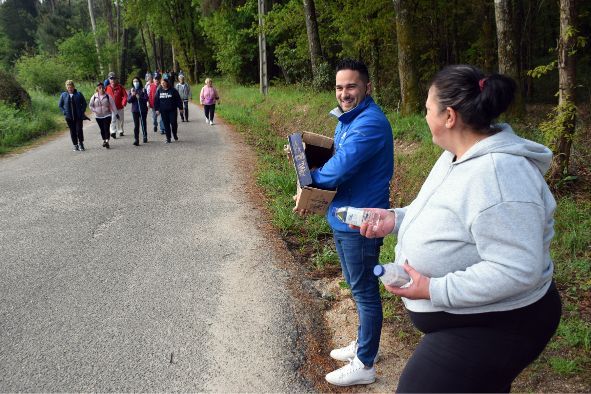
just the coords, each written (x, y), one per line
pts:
(355, 65)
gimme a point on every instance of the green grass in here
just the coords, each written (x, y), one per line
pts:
(266, 121)
(21, 127)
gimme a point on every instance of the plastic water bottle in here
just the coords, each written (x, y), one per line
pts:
(391, 274)
(357, 216)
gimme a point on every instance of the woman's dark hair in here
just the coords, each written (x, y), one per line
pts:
(355, 65)
(100, 84)
(477, 98)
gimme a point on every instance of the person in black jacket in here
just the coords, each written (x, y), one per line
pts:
(166, 103)
(139, 109)
(73, 104)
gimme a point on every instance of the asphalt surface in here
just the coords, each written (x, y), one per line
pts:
(139, 269)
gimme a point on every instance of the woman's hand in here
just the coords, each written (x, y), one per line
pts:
(384, 226)
(418, 289)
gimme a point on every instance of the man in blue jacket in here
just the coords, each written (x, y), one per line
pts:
(360, 169)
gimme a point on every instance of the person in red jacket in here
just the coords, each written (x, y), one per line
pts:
(119, 94)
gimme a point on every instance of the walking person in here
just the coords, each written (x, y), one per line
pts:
(209, 97)
(139, 110)
(73, 104)
(104, 109)
(476, 243)
(152, 95)
(119, 94)
(184, 90)
(360, 170)
(166, 103)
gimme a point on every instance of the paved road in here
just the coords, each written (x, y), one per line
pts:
(139, 269)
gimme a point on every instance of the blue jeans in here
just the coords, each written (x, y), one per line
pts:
(155, 119)
(358, 256)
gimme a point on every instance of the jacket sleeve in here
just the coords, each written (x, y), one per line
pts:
(360, 145)
(62, 104)
(509, 238)
(131, 97)
(201, 95)
(112, 105)
(124, 101)
(156, 101)
(179, 101)
(83, 104)
(91, 103)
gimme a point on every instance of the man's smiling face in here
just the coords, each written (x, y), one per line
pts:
(350, 89)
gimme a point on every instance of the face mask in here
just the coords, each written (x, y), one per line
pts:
(136, 85)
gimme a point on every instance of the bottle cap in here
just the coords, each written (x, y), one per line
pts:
(378, 270)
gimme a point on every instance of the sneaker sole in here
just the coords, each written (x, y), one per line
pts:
(368, 381)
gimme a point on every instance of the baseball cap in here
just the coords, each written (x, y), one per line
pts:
(166, 77)
(112, 75)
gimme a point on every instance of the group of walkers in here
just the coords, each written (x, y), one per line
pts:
(108, 104)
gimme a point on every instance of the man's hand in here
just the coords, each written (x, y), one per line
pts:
(301, 212)
(418, 289)
(384, 226)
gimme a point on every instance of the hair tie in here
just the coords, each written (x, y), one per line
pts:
(481, 83)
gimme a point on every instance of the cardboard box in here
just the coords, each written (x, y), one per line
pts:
(310, 150)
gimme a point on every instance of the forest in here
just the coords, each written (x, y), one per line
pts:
(542, 44)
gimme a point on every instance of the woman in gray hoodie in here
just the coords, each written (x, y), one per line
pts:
(476, 243)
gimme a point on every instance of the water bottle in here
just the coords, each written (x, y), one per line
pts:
(357, 216)
(391, 274)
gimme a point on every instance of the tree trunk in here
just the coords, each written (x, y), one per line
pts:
(508, 54)
(313, 36)
(123, 61)
(566, 90)
(154, 48)
(111, 27)
(162, 53)
(409, 87)
(96, 42)
(145, 47)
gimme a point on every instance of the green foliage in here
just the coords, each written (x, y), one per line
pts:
(234, 41)
(560, 123)
(18, 22)
(42, 72)
(79, 51)
(12, 93)
(17, 127)
(324, 77)
(564, 366)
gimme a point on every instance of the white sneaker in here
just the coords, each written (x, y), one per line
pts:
(346, 353)
(211, 122)
(352, 374)
(207, 120)
(349, 352)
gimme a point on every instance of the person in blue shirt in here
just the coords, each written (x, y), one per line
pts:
(360, 169)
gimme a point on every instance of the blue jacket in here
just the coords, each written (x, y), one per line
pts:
(73, 108)
(142, 101)
(363, 162)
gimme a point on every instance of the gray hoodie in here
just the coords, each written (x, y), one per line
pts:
(481, 227)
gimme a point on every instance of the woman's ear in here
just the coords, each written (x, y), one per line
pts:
(452, 117)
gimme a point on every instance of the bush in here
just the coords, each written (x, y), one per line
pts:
(42, 72)
(12, 93)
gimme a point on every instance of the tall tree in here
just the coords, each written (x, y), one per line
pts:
(508, 51)
(313, 36)
(96, 40)
(18, 22)
(409, 87)
(566, 110)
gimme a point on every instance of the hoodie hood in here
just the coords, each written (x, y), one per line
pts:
(506, 141)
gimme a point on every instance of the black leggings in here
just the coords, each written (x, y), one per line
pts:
(75, 126)
(169, 118)
(139, 122)
(209, 111)
(481, 352)
(104, 125)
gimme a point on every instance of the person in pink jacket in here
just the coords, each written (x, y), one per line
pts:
(104, 109)
(208, 98)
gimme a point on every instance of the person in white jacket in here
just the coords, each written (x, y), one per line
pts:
(103, 107)
(476, 243)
